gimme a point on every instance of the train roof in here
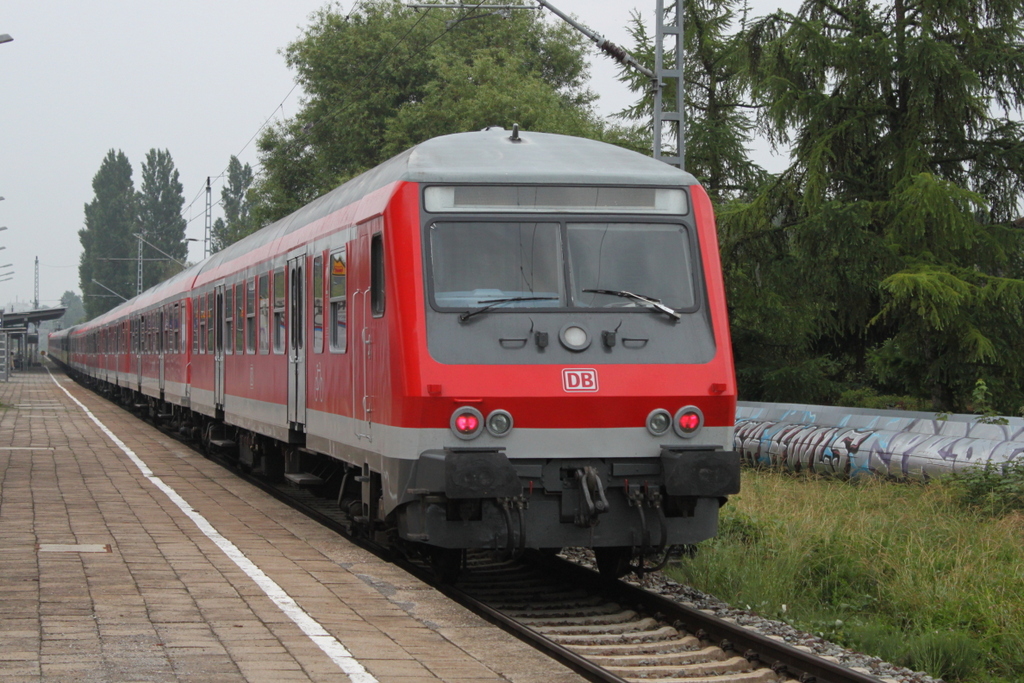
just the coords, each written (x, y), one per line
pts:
(489, 156)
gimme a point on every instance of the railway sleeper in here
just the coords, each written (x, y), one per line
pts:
(658, 634)
(645, 625)
(686, 643)
(713, 668)
(706, 654)
(755, 676)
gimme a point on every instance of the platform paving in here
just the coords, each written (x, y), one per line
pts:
(104, 578)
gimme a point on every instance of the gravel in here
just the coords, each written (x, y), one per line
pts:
(658, 582)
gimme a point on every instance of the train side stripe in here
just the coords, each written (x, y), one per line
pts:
(338, 653)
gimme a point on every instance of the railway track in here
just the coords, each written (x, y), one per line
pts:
(608, 631)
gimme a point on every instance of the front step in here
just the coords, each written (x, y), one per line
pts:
(223, 444)
(303, 478)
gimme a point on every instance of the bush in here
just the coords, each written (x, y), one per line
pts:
(994, 489)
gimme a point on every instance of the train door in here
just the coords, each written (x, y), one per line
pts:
(140, 324)
(218, 347)
(359, 323)
(296, 341)
(160, 346)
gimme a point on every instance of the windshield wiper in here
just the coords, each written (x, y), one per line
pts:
(654, 303)
(491, 303)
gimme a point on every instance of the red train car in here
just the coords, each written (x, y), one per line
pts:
(491, 340)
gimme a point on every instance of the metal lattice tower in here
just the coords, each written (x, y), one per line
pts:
(138, 274)
(209, 218)
(669, 115)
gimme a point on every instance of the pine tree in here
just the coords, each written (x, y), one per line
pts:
(107, 239)
(887, 246)
(160, 201)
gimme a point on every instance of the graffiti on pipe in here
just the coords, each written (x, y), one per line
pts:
(849, 442)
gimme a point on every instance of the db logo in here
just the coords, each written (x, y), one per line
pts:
(579, 379)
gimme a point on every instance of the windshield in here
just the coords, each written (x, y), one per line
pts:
(475, 263)
(651, 260)
(524, 264)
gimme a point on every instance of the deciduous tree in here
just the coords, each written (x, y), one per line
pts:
(106, 238)
(385, 76)
(237, 223)
(159, 219)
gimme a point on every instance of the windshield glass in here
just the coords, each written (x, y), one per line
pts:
(652, 260)
(474, 263)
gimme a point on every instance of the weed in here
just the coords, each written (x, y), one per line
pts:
(949, 655)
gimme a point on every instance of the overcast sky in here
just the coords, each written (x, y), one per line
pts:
(196, 78)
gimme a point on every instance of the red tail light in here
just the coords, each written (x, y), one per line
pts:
(688, 421)
(467, 422)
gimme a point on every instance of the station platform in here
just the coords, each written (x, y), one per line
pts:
(126, 556)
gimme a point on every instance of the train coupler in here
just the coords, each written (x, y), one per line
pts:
(593, 501)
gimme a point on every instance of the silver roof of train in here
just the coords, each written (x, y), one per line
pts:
(490, 156)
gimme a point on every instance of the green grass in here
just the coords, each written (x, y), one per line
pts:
(919, 574)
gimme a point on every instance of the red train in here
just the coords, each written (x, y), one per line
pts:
(492, 340)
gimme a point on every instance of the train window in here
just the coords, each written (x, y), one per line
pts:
(646, 258)
(195, 324)
(339, 301)
(229, 319)
(250, 316)
(318, 304)
(579, 199)
(210, 329)
(475, 263)
(264, 315)
(202, 323)
(279, 299)
(172, 325)
(377, 275)
(239, 318)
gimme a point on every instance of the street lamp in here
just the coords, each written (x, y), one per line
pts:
(5, 38)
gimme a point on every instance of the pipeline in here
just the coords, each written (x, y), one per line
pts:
(851, 442)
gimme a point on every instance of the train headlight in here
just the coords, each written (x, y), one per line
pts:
(499, 423)
(688, 421)
(659, 421)
(574, 337)
(467, 423)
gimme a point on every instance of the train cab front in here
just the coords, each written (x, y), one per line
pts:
(577, 351)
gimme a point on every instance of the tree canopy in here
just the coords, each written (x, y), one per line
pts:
(385, 77)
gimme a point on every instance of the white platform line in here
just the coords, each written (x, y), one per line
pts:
(310, 626)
